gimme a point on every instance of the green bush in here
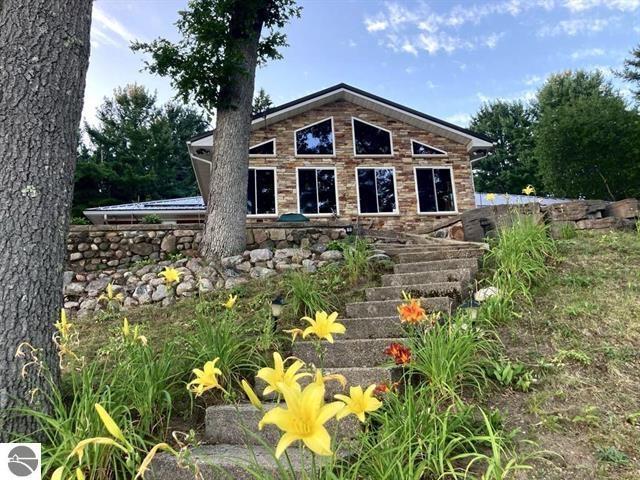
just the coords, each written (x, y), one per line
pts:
(79, 221)
(151, 218)
(308, 293)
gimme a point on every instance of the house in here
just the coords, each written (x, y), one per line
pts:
(343, 153)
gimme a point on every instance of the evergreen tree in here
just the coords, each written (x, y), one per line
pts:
(631, 71)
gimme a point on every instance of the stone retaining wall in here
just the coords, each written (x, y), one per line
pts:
(99, 247)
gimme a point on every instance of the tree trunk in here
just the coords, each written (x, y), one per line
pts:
(225, 229)
(44, 53)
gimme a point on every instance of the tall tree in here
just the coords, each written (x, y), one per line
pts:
(587, 141)
(136, 151)
(512, 164)
(261, 102)
(215, 64)
(44, 54)
(631, 71)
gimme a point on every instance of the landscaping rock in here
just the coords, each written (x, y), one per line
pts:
(169, 244)
(261, 272)
(230, 262)
(331, 255)
(485, 293)
(74, 289)
(160, 294)
(185, 288)
(205, 285)
(261, 254)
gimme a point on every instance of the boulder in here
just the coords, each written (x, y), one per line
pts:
(160, 294)
(168, 244)
(261, 255)
(318, 248)
(185, 288)
(331, 255)
(230, 262)
(244, 267)
(205, 285)
(261, 272)
(233, 281)
(142, 294)
(485, 293)
(76, 256)
(308, 266)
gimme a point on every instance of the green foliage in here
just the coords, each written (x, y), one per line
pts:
(631, 71)
(450, 355)
(211, 57)
(261, 102)
(572, 354)
(356, 263)
(79, 221)
(612, 455)
(512, 165)
(136, 151)
(151, 218)
(568, 231)
(307, 293)
(510, 374)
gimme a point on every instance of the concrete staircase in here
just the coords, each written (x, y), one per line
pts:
(438, 272)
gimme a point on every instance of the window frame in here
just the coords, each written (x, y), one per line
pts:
(369, 155)
(275, 193)
(443, 154)
(396, 212)
(259, 155)
(453, 189)
(335, 177)
(313, 155)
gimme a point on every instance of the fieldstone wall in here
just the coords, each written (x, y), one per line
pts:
(94, 248)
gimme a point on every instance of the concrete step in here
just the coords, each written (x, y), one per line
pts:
(346, 353)
(442, 289)
(372, 327)
(435, 265)
(443, 254)
(389, 308)
(225, 462)
(238, 425)
(455, 275)
(424, 248)
(363, 376)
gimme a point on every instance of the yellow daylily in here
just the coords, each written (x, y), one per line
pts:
(171, 275)
(110, 296)
(109, 423)
(278, 375)
(322, 379)
(57, 474)
(231, 301)
(253, 398)
(79, 474)
(144, 466)
(206, 379)
(358, 402)
(529, 190)
(323, 326)
(490, 197)
(303, 419)
(62, 325)
(137, 337)
(78, 450)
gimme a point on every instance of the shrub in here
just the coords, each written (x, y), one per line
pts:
(356, 260)
(306, 293)
(151, 218)
(79, 221)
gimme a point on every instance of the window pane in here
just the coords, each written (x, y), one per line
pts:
(386, 190)
(327, 191)
(251, 193)
(315, 140)
(426, 193)
(371, 140)
(267, 148)
(367, 190)
(422, 149)
(307, 191)
(266, 192)
(444, 189)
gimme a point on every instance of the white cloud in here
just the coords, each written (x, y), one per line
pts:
(376, 25)
(492, 40)
(430, 84)
(482, 97)
(575, 26)
(533, 80)
(621, 5)
(106, 30)
(461, 119)
(587, 52)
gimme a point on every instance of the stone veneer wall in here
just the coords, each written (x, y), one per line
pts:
(345, 163)
(99, 247)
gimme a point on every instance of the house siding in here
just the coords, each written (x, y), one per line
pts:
(345, 164)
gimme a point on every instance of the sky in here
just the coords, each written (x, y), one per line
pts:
(444, 58)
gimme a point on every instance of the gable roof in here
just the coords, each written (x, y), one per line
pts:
(343, 91)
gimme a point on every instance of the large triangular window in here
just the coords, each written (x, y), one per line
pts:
(264, 149)
(419, 149)
(369, 140)
(315, 139)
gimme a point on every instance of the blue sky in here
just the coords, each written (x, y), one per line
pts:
(441, 57)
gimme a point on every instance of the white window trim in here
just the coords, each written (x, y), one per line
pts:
(335, 177)
(322, 155)
(396, 212)
(275, 193)
(453, 189)
(367, 155)
(258, 155)
(428, 155)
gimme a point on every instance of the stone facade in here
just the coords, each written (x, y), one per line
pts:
(345, 163)
(92, 247)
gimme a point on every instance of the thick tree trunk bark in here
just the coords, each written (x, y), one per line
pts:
(44, 53)
(225, 229)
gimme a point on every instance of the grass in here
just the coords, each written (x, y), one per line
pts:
(581, 336)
